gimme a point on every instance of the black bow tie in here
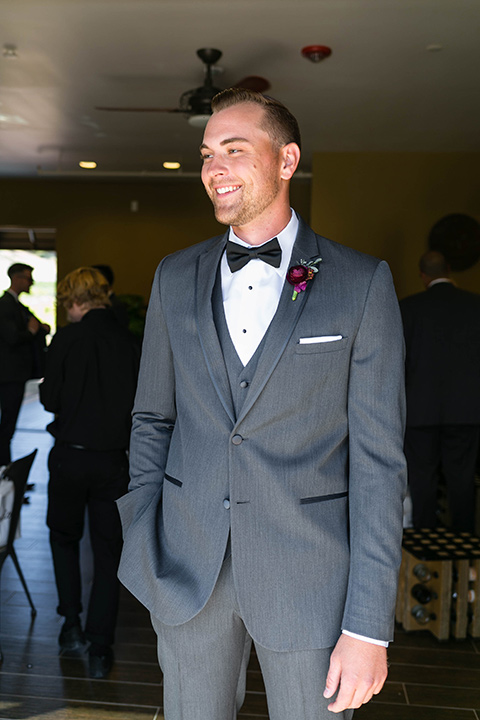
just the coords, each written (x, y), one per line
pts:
(238, 255)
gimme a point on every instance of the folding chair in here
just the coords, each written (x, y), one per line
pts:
(17, 472)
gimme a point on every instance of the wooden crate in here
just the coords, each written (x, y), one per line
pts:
(439, 583)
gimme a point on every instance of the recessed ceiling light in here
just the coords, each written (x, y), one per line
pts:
(87, 164)
(171, 165)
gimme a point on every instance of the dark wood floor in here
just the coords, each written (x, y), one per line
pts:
(428, 680)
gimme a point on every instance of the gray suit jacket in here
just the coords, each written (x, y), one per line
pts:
(312, 466)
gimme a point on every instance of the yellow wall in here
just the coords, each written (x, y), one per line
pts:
(386, 203)
(95, 224)
(381, 203)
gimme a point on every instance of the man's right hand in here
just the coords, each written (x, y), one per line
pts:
(33, 325)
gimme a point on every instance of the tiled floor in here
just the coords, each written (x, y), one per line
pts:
(428, 680)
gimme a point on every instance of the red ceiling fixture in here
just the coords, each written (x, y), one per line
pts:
(315, 53)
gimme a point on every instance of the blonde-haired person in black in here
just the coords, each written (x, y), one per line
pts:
(89, 384)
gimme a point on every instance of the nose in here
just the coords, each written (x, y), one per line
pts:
(216, 166)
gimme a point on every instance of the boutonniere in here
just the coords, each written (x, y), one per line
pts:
(299, 275)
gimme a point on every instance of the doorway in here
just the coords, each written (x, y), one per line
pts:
(42, 297)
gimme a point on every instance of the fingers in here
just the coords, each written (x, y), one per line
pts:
(353, 696)
(33, 325)
(358, 670)
(354, 693)
(333, 678)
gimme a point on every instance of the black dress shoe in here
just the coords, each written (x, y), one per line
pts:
(100, 665)
(71, 637)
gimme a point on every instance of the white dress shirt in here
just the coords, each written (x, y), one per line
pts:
(250, 300)
(251, 295)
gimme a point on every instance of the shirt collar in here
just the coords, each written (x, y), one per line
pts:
(13, 293)
(440, 280)
(286, 239)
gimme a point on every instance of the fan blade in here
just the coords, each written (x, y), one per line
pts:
(129, 109)
(253, 82)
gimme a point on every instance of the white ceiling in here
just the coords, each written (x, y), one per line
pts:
(381, 89)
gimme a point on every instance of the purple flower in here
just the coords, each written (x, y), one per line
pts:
(299, 275)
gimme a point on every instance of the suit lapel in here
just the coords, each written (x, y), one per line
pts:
(279, 332)
(206, 272)
(285, 319)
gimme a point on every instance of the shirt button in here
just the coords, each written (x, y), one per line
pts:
(226, 504)
(244, 384)
(237, 439)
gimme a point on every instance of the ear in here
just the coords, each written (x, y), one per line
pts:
(290, 155)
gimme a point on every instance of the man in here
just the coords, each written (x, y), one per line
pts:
(442, 334)
(22, 341)
(118, 308)
(89, 384)
(259, 422)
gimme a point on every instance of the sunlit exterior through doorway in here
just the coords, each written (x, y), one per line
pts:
(41, 299)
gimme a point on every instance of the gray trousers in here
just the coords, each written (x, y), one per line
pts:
(204, 664)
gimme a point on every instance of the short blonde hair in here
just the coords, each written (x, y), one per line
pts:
(85, 285)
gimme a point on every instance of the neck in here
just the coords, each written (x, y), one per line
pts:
(262, 229)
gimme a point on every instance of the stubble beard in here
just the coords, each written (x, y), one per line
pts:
(249, 205)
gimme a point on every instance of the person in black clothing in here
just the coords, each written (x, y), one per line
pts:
(442, 336)
(22, 344)
(89, 384)
(118, 308)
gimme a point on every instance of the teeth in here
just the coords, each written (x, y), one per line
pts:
(223, 190)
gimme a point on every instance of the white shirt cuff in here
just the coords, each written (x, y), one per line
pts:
(365, 639)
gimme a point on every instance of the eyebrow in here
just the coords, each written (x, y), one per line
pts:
(226, 142)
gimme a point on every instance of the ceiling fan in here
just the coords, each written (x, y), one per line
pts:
(196, 103)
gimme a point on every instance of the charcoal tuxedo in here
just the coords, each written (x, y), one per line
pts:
(16, 342)
(442, 335)
(305, 475)
(21, 358)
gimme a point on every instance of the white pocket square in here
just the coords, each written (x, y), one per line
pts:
(319, 339)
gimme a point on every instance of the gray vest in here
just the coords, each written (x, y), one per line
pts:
(239, 375)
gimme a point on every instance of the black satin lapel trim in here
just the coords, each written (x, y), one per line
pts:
(285, 319)
(207, 266)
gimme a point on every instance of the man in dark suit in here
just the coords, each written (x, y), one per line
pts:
(117, 307)
(267, 469)
(22, 339)
(442, 334)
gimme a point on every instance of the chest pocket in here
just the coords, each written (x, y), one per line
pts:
(321, 347)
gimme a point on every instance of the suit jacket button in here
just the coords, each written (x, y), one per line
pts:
(226, 504)
(244, 384)
(237, 439)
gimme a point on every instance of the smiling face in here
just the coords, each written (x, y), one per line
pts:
(244, 173)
